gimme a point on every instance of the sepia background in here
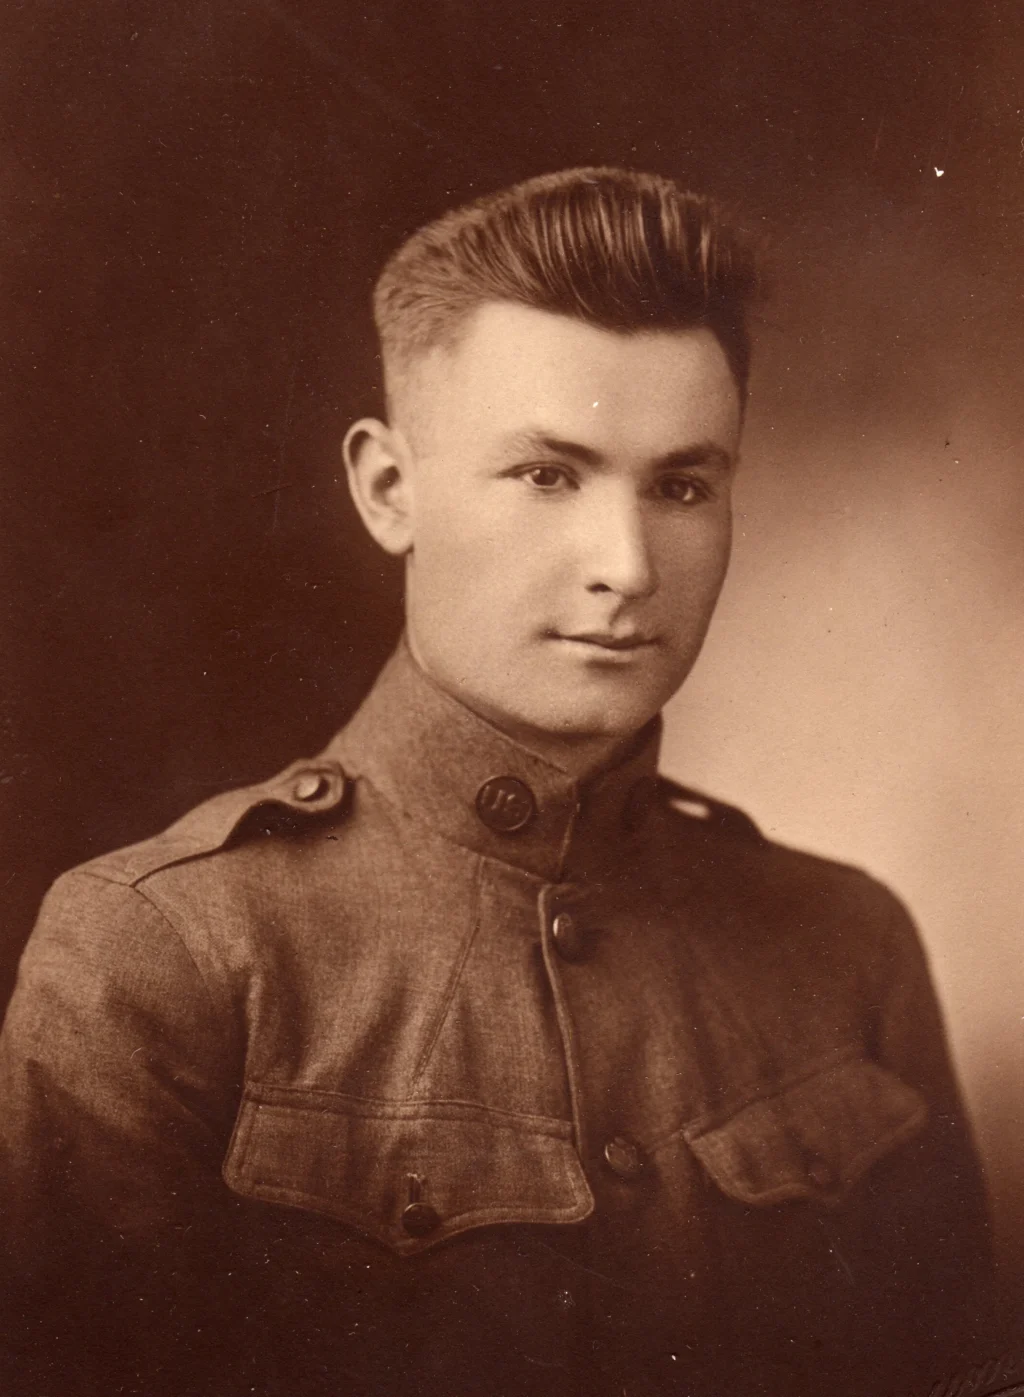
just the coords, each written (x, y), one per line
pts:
(195, 201)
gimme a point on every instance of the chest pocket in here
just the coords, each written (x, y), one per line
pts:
(812, 1139)
(409, 1174)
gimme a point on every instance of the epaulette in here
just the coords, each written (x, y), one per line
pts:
(726, 819)
(302, 790)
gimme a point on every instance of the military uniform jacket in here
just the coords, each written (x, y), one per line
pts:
(420, 1069)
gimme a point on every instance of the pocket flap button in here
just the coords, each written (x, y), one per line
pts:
(420, 1219)
(623, 1157)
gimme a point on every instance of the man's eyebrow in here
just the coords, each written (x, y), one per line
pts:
(700, 453)
(554, 446)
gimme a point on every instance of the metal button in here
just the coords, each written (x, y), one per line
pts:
(420, 1219)
(639, 803)
(570, 941)
(505, 804)
(623, 1157)
(310, 785)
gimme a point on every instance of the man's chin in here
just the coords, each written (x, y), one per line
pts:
(550, 716)
(580, 725)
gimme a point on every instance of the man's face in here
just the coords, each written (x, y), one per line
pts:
(570, 518)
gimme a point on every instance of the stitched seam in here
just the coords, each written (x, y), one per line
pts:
(708, 1121)
(237, 1151)
(797, 1188)
(444, 1007)
(878, 1149)
(714, 1120)
(570, 829)
(417, 1112)
(175, 932)
(468, 1217)
(185, 946)
(460, 1222)
(184, 848)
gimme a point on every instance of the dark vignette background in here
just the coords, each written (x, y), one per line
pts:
(196, 197)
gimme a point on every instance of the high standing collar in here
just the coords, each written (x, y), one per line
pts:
(442, 764)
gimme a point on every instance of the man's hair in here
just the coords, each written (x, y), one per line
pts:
(614, 248)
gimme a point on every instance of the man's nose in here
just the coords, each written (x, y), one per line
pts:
(618, 548)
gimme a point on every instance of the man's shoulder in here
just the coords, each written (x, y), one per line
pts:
(695, 810)
(197, 892)
(740, 861)
(305, 792)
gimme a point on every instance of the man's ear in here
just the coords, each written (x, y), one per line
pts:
(378, 463)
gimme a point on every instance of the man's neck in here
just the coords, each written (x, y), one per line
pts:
(580, 755)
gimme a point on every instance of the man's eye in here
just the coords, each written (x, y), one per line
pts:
(546, 477)
(682, 490)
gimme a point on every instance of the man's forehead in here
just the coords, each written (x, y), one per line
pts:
(506, 354)
(509, 329)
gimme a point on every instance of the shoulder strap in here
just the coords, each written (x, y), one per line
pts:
(302, 790)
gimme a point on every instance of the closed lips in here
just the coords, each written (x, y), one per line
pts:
(612, 642)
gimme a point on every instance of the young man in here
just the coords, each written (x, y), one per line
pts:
(470, 1057)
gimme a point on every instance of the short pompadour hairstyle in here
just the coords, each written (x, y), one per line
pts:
(615, 248)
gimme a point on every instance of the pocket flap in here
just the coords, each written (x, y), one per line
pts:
(811, 1139)
(365, 1162)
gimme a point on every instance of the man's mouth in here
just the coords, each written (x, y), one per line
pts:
(611, 640)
